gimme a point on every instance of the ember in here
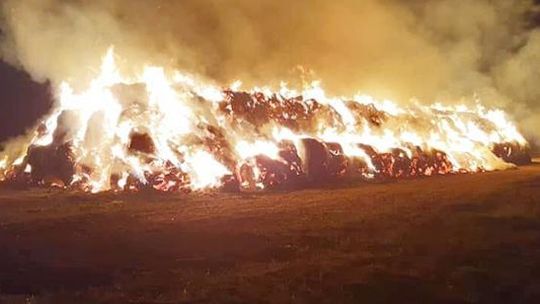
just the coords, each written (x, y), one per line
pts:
(170, 133)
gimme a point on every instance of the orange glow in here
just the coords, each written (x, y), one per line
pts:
(196, 139)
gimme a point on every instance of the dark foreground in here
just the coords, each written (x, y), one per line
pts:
(454, 239)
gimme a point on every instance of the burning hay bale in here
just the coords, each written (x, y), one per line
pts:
(175, 134)
(51, 162)
(512, 153)
(323, 162)
(141, 142)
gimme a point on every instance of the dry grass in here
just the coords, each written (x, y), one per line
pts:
(454, 239)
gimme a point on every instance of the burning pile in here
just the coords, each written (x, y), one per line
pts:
(172, 133)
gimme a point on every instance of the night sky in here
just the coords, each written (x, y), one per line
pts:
(22, 101)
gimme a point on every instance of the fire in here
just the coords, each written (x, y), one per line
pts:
(171, 132)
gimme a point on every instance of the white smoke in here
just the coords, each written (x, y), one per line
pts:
(431, 49)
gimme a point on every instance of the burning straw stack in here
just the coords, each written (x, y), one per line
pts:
(308, 161)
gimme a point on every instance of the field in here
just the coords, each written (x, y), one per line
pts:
(450, 239)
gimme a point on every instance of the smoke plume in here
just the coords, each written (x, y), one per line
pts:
(444, 50)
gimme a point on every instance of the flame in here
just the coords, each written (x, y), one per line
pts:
(170, 131)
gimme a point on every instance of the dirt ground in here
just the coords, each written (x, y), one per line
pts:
(451, 239)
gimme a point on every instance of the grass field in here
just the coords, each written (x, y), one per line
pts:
(451, 239)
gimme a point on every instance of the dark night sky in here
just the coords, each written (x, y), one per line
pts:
(22, 101)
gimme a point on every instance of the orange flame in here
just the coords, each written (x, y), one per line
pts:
(180, 115)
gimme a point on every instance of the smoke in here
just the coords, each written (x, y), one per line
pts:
(429, 49)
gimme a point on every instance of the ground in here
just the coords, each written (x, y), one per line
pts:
(451, 239)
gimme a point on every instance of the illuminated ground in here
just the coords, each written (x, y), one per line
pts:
(455, 239)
